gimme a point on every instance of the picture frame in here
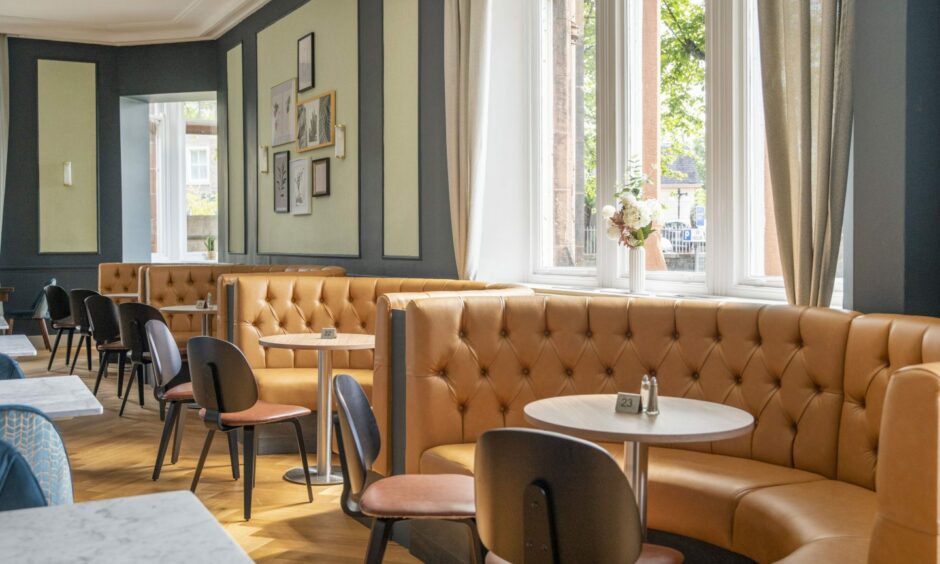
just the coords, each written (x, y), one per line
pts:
(316, 122)
(282, 182)
(283, 110)
(300, 186)
(320, 177)
(306, 67)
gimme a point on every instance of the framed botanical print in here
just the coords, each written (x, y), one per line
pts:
(316, 122)
(283, 109)
(300, 186)
(321, 177)
(282, 182)
(306, 69)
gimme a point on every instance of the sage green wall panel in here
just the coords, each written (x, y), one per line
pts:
(401, 198)
(68, 215)
(236, 152)
(333, 226)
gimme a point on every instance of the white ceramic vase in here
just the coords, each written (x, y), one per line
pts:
(638, 270)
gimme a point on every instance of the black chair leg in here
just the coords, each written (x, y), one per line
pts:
(249, 480)
(102, 369)
(178, 435)
(162, 410)
(233, 452)
(127, 392)
(168, 427)
(303, 456)
(68, 346)
(55, 347)
(78, 350)
(88, 350)
(140, 384)
(122, 364)
(477, 552)
(202, 459)
(378, 540)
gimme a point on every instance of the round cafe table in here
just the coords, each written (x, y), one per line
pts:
(203, 312)
(680, 420)
(324, 473)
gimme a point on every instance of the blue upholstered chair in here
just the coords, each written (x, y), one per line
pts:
(34, 436)
(19, 488)
(10, 369)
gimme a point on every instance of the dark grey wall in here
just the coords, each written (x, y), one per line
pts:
(184, 67)
(437, 255)
(897, 164)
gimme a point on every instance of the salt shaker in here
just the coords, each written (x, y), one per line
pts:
(645, 391)
(209, 299)
(653, 407)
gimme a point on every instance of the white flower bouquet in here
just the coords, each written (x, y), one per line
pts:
(634, 218)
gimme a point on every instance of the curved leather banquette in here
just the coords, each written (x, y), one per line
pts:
(120, 278)
(167, 285)
(841, 465)
(277, 304)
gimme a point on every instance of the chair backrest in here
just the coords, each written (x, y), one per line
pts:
(40, 307)
(19, 488)
(34, 435)
(163, 351)
(531, 494)
(58, 300)
(77, 305)
(10, 369)
(222, 379)
(134, 317)
(104, 318)
(360, 432)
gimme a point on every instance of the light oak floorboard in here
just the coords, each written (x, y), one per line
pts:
(114, 457)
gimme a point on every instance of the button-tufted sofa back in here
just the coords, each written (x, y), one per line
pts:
(813, 378)
(168, 285)
(119, 278)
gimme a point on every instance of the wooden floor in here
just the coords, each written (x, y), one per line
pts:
(113, 457)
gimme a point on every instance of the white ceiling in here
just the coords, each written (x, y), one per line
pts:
(123, 22)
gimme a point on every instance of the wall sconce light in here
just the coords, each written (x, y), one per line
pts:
(340, 133)
(263, 158)
(67, 173)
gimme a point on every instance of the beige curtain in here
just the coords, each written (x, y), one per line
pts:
(466, 86)
(806, 57)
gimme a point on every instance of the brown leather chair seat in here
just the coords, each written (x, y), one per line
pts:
(419, 496)
(181, 392)
(260, 413)
(113, 346)
(773, 522)
(299, 385)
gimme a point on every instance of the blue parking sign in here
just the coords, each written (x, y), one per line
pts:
(686, 234)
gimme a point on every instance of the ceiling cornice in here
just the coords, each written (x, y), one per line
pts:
(212, 19)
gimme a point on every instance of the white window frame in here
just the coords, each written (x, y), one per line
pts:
(191, 178)
(734, 154)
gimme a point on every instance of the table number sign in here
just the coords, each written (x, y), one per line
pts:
(328, 333)
(629, 403)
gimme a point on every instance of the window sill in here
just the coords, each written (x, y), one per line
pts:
(558, 289)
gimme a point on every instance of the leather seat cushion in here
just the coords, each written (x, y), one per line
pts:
(181, 392)
(114, 346)
(835, 549)
(299, 385)
(651, 554)
(774, 522)
(260, 413)
(420, 496)
(449, 459)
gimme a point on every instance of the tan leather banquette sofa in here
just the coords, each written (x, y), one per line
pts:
(841, 466)
(120, 278)
(283, 303)
(166, 285)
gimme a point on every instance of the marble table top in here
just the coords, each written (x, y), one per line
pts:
(162, 527)
(56, 396)
(16, 345)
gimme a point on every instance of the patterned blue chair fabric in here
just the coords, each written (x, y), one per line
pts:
(35, 437)
(19, 488)
(10, 369)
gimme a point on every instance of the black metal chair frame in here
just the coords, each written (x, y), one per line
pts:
(103, 338)
(57, 325)
(134, 335)
(83, 326)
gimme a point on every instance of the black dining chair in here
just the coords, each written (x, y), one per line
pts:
(402, 497)
(134, 318)
(533, 505)
(225, 387)
(82, 323)
(60, 314)
(38, 312)
(106, 331)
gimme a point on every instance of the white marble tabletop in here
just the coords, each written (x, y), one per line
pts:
(16, 345)
(56, 396)
(163, 527)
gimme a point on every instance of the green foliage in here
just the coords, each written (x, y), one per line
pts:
(199, 111)
(589, 90)
(635, 181)
(682, 83)
(201, 204)
(210, 243)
